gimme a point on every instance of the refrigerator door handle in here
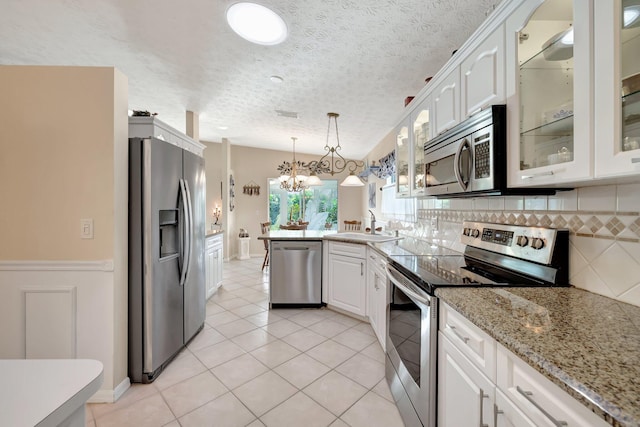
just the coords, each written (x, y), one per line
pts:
(185, 232)
(189, 231)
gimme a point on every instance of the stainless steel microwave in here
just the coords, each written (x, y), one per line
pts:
(470, 158)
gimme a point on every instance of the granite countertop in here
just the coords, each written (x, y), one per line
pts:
(587, 344)
(212, 233)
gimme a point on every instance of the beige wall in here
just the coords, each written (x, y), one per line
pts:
(56, 162)
(64, 157)
(214, 166)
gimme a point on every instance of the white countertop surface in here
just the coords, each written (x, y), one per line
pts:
(45, 392)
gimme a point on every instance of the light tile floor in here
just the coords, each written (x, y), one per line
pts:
(251, 366)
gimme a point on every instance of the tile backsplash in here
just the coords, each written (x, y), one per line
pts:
(604, 225)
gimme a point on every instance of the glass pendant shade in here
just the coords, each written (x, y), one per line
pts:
(352, 181)
(313, 180)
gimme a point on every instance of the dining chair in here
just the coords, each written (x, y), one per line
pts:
(352, 225)
(265, 226)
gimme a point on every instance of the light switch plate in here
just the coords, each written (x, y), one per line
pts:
(86, 228)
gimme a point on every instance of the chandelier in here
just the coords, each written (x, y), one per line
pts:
(293, 176)
(333, 162)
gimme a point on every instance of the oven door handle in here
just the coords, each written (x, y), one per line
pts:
(457, 168)
(403, 288)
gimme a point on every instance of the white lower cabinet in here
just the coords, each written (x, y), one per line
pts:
(465, 396)
(347, 279)
(540, 400)
(377, 295)
(213, 259)
(519, 396)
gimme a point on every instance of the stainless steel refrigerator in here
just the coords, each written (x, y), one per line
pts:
(166, 253)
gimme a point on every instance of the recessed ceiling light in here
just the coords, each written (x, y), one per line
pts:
(257, 23)
(276, 79)
(223, 127)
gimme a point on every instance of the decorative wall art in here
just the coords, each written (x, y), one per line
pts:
(387, 165)
(232, 193)
(252, 189)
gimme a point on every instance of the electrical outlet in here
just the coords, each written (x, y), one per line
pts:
(86, 228)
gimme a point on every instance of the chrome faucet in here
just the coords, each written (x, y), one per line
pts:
(373, 222)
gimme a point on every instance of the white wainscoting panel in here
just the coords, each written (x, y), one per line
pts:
(64, 309)
(50, 322)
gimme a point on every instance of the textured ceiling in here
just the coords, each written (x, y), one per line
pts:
(359, 58)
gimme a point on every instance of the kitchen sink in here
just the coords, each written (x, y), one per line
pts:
(362, 237)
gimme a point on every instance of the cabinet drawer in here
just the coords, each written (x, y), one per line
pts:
(348, 249)
(474, 343)
(537, 397)
(375, 260)
(212, 242)
(506, 414)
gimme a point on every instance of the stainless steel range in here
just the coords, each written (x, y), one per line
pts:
(495, 255)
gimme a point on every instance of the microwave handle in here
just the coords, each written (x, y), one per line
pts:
(456, 161)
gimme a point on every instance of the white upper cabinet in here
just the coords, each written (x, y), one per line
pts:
(421, 126)
(617, 87)
(446, 102)
(403, 160)
(549, 87)
(482, 74)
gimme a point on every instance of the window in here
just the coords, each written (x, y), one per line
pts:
(317, 205)
(403, 209)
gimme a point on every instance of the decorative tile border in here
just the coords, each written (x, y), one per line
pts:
(623, 226)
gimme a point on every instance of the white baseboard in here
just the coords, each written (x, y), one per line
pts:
(110, 396)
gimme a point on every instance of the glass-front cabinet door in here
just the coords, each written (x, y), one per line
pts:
(551, 137)
(403, 161)
(421, 134)
(617, 83)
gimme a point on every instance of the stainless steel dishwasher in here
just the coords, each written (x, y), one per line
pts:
(295, 274)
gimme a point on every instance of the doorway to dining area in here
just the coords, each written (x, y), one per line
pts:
(316, 205)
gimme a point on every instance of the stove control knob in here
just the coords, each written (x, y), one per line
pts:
(522, 241)
(537, 243)
(466, 231)
(475, 232)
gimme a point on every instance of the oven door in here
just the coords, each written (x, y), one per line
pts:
(412, 349)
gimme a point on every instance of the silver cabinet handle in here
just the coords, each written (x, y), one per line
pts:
(362, 268)
(538, 175)
(458, 334)
(527, 395)
(482, 397)
(635, 160)
(496, 412)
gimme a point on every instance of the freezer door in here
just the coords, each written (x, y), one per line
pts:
(162, 293)
(194, 287)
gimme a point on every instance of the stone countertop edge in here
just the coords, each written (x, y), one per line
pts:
(316, 235)
(294, 235)
(213, 233)
(587, 344)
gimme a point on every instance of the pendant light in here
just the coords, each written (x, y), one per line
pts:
(333, 162)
